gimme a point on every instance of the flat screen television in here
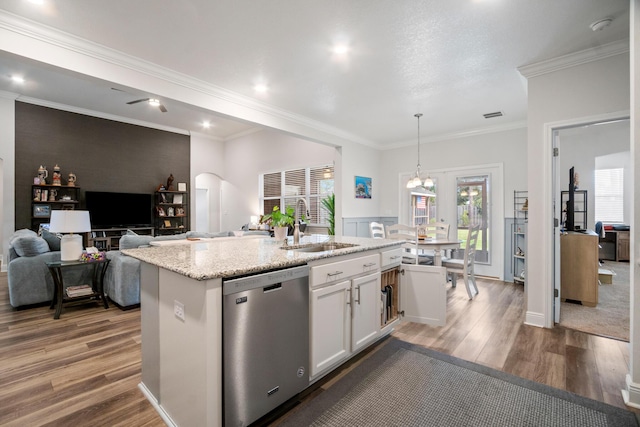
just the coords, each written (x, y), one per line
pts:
(570, 223)
(119, 210)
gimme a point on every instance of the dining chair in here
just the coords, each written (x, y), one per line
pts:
(437, 230)
(465, 266)
(434, 230)
(376, 230)
(409, 236)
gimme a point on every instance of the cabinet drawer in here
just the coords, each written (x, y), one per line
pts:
(391, 258)
(340, 270)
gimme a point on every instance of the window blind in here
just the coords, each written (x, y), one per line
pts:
(609, 195)
(284, 188)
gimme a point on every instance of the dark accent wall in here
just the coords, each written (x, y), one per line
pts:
(105, 155)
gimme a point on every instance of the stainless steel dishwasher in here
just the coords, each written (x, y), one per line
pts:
(265, 342)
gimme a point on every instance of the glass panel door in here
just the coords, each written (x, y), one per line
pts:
(473, 208)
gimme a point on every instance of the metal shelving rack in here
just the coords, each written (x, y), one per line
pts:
(519, 235)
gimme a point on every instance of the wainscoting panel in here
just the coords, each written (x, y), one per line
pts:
(359, 226)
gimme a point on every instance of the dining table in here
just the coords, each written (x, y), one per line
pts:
(437, 246)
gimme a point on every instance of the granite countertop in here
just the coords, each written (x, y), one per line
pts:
(224, 258)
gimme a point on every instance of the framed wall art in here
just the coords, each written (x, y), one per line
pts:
(41, 211)
(363, 187)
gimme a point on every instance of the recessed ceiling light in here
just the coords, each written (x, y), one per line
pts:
(154, 102)
(341, 49)
(17, 79)
(262, 88)
(600, 24)
(206, 124)
(38, 2)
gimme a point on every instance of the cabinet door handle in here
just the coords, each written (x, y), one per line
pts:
(348, 291)
(370, 264)
(396, 257)
(334, 274)
(358, 289)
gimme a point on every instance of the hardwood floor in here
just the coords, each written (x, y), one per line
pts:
(84, 368)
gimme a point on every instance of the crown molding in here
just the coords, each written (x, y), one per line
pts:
(244, 133)
(9, 95)
(573, 59)
(522, 124)
(205, 136)
(99, 115)
(50, 35)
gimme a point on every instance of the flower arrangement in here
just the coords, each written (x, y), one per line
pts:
(96, 256)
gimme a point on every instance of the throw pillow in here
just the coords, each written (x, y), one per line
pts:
(129, 241)
(24, 232)
(53, 240)
(30, 246)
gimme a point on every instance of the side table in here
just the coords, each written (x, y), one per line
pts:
(59, 297)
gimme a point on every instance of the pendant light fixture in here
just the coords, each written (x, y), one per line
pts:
(416, 181)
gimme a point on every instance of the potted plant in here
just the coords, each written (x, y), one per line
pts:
(280, 221)
(329, 205)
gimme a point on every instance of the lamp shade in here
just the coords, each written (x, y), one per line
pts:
(70, 221)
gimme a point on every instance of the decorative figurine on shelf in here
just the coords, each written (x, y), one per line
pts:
(170, 183)
(56, 175)
(36, 194)
(43, 174)
(52, 195)
(71, 181)
(170, 212)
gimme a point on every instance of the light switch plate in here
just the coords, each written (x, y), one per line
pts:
(178, 309)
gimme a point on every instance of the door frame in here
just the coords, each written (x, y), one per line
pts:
(552, 184)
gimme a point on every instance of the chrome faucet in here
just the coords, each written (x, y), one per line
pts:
(296, 229)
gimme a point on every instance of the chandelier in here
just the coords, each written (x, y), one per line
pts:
(416, 181)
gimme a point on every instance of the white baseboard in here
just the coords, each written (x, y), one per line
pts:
(631, 395)
(534, 319)
(154, 402)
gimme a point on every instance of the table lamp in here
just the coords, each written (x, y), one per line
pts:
(70, 222)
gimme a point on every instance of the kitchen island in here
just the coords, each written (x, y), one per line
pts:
(181, 314)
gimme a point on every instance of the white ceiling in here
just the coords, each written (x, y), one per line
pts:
(452, 60)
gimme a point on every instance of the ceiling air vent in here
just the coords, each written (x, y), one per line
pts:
(492, 115)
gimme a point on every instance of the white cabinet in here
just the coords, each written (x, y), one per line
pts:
(365, 325)
(344, 319)
(330, 325)
(423, 294)
(350, 313)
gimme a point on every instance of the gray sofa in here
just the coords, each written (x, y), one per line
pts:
(122, 279)
(29, 279)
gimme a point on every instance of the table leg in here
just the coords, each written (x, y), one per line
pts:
(437, 257)
(58, 290)
(100, 278)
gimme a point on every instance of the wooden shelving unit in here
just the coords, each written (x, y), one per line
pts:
(171, 212)
(46, 198)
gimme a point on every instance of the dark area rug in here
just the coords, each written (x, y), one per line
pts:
(407, 385)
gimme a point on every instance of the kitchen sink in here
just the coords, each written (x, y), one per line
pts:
(319, 247)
